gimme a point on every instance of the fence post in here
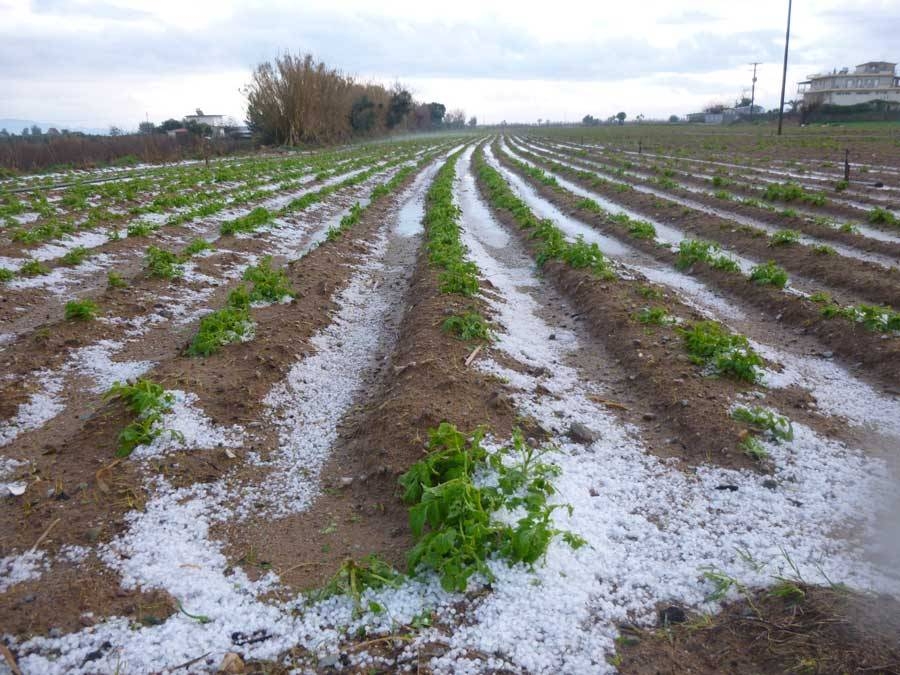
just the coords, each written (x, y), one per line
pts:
(847, 164)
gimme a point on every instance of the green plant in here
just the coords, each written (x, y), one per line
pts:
(769, 274)
(723, 195)
(823, 249)
(222, 327)
(784, 238)
(725, 263)
(115, 280)
(641, 229)
(75, 256)
(269, 285)
(873, 317)
(32, 268)
(788, 591)
(468, 326)
(6, 275)
(754, 449)
(248, 223)
(650, 292)
(451, 516)
(195, 247)
(709, 343)
(355, 577)
(654, 315)
(140, 230)
(163, 264)
(849, 228)
(148, 401)
(883, 216)
(779, 428)
(841, 185)
(81, 310)
(691, 251)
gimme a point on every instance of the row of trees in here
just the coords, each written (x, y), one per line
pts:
(591, 121)
(296, 99)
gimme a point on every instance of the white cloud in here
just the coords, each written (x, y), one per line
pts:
(99, 63)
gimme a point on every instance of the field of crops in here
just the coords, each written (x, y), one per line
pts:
(563, 402)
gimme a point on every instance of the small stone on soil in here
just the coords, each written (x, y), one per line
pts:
(583, 433)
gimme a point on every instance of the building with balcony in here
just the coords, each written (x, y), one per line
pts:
(872, 81)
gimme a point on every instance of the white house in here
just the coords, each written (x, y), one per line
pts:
(216, 122)
(872, 81)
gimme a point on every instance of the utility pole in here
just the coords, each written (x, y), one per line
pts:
(787, 39)
(753, 88)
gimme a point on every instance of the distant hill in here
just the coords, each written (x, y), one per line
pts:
(15, 126)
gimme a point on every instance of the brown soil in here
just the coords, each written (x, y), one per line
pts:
(672, 389)
(825, 631)
(426, 382)
(877, 353)
(867, 281)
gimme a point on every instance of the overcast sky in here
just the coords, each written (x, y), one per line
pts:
(97, 63)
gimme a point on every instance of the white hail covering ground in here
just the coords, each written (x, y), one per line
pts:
(651, 528)
(168, 546)
(885, 261)
(41, 406)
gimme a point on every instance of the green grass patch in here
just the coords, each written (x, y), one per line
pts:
(81, 310)
(6, 275)
(823, 249)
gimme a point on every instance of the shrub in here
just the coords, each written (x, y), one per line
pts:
(5, 274)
